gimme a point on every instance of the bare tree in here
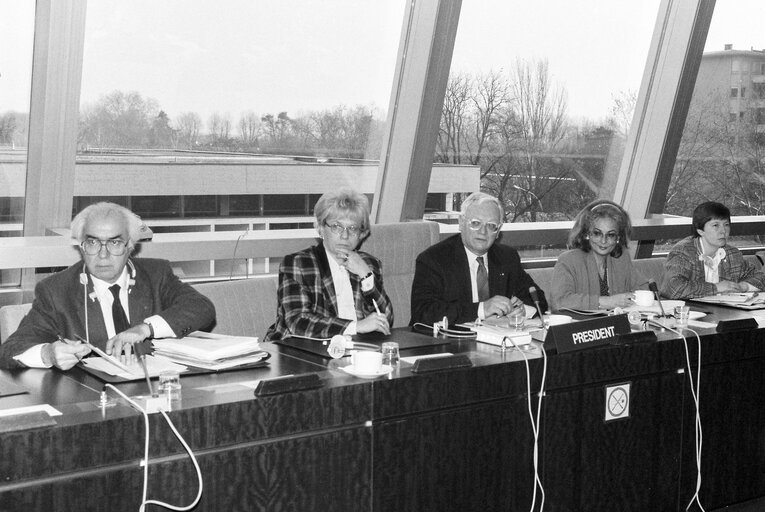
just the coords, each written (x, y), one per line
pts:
(249, 126)
(532, 128)
(219, 128)
(118, 119)
(188, 125)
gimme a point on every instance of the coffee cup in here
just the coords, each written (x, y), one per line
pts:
(367, 361)
(644, 298)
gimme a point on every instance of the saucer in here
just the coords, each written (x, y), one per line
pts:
(384, 370)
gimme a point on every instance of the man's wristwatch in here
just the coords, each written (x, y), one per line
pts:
(151, 329)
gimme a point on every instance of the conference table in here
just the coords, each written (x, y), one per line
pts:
(453, 438)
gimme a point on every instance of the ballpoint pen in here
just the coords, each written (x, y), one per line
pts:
(376, 307)
(69, 342)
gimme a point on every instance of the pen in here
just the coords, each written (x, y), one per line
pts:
(69, 342)
(376, 308)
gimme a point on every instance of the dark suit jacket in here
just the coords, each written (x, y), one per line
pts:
(307, 303)
(441, 285)
(59, 308)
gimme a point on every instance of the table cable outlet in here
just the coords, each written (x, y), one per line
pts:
(144, 463)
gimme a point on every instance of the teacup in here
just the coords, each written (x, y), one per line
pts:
(367, 361)
(644, 298)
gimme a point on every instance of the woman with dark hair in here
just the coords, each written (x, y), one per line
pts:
(597, 273)
(331, 288)
(704, 264)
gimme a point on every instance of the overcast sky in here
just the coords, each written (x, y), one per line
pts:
(274, 55)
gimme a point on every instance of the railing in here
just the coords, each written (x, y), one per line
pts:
(60, 251)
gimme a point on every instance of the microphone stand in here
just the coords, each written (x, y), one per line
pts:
(142, 349)
(655, 289)
(535, 298)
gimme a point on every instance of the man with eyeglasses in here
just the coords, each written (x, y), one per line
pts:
(469, 276)
(125, 300)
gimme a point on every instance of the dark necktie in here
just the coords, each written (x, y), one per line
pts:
(482, 280)
(118, 313)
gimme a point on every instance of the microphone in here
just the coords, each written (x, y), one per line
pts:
(655, 289)
(142, 349)
(340, 343)
(337, 345)
(535, 297)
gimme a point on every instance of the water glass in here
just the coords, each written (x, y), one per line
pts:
(170, 384)
(517, 318)
(682, 314)
(390, 355)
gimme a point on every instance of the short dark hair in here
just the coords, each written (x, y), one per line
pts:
(705, 212)
(578, 238)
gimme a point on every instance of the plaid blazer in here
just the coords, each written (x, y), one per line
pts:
(684, 273)
(307, 304)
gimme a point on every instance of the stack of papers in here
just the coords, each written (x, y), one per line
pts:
(211, 351)
(494, 334)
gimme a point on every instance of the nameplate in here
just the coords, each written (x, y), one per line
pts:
(736, 325)
(634, 338)
(587, 333)
(289, 384)
(25, 421)
(431, 364)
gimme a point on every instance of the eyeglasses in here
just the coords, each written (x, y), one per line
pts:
(338, 229)
(477, 225)
(599, 236)
(114, 246)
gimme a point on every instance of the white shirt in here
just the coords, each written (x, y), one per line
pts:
(346, 305)
(473, 266)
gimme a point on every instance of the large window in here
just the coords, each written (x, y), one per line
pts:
(541, 96)
(16, 38)
(722, 155)
(239, 81)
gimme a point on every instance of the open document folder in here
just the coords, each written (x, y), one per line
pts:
(133, 371)
(748, 300)
(211, 351)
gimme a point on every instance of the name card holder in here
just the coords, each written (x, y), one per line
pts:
(25, 421)
(634, 338)
(431, 364)
(736, 325)
(288, 384)
(587, 333)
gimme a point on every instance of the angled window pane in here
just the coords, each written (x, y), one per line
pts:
(722, 151)
(541, 96)
(16, 39)
(250, 108)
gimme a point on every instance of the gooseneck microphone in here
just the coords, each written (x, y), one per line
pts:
(655, 289)
(535, 297)
(142, 349)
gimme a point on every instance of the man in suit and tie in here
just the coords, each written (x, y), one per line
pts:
(469, 276)
(108, 298)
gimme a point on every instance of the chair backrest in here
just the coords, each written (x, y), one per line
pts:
(10, 318)
(397, 247)
(243, 308)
